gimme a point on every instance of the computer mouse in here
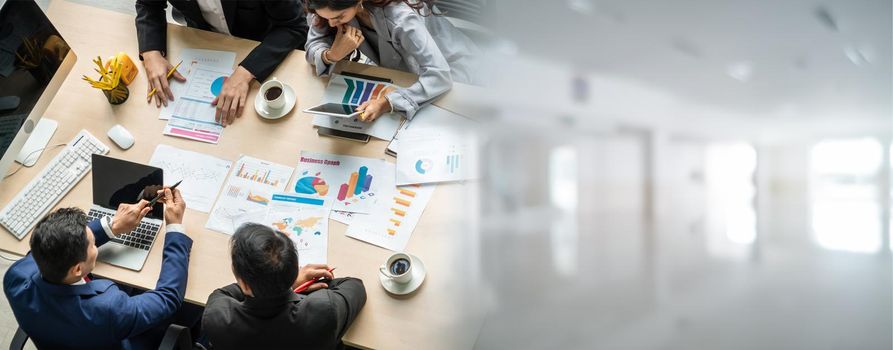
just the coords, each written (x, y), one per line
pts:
(121, 136)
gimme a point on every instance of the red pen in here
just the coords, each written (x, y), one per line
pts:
(307, 284)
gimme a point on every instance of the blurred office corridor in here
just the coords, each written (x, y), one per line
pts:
(689, 175)
(687, 244)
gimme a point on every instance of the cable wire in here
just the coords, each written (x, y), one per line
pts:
(31, 154)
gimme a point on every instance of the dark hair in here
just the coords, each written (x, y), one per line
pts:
(265, 259)
(338, 5)
(419, 6)
(59, 242)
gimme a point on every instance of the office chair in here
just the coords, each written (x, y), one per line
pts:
(175, 338)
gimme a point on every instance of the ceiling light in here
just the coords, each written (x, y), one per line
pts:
(741, 71)
(859, 55)
(582, 6)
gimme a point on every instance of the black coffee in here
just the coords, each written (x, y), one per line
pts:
(399, 267)
(273, 93)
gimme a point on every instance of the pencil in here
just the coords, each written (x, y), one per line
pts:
(309, 283)
(169, 74)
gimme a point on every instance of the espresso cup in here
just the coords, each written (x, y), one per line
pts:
(398, 268)
(273, 92)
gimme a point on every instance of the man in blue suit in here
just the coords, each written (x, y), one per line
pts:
(59, 305)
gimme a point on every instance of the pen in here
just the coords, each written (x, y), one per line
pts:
(171, 72)
(307, 284)
(154, 200)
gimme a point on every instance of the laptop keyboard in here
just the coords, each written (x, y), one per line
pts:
(140, 238)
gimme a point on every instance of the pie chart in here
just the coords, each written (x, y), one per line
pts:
(423, 165)
(217, 85)
(312, 185)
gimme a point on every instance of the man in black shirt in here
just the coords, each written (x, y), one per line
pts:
(261, 310)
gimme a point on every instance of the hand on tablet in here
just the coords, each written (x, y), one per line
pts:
(372, 109)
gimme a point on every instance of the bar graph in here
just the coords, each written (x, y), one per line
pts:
(402, 204)
(359, 91)
(257, 175)
(452, 163)
(360, 182)
(392, 223)
(233, 191)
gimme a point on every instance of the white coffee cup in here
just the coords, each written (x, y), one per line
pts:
(273, 93)
(398, 268)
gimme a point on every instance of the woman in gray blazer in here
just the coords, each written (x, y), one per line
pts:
(406, 35)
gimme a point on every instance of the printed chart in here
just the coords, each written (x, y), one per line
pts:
(359, 184)
(359, 91)
(193, 59)
(436, 146)
(202, 175)
(356, 180)
(353, 92)
(306, 221)
(392, 222)
(192, 115)
(247, 193)
(431, 155)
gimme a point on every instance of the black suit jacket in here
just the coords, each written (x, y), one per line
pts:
(290, 321)
(280, 26)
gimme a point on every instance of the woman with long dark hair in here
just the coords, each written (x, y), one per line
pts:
(407, 35)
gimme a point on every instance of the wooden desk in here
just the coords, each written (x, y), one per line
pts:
(434, 317)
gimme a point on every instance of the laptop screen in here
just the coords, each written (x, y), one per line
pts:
(118, 181)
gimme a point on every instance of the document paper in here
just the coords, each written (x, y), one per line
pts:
(193, 115)
(391, 223)
(354, 91)
(248, 191)
(192, 58)
(202, 174)
(353, 183)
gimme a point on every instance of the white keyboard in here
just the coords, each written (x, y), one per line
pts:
(51, 184)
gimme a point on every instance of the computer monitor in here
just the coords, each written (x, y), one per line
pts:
(34, 61)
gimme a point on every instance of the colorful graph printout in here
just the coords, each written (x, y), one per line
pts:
(353, 92)
(305, 220)
(391, 223)
(197, 58)
(248, 191)
(351, 182)
(192, 115)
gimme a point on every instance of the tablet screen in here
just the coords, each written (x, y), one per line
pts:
(335, 108)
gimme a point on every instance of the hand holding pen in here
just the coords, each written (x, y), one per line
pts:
(314, 276)
(174, 206)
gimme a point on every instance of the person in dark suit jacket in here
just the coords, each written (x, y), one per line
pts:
(58, 304)
(261, 311)
(280, 26)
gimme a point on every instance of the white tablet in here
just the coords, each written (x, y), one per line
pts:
(334, 109)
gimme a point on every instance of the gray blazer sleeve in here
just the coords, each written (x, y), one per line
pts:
(318, 41)
(411, 36)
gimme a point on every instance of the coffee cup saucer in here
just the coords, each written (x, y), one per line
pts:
(269, 113)
(418, 276)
